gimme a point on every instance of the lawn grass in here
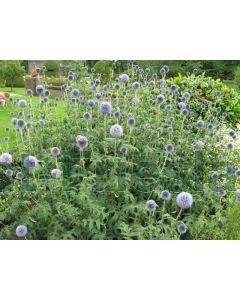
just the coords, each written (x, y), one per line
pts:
(232, 84)
(6, 117)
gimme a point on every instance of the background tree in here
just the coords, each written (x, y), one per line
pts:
(10, 71)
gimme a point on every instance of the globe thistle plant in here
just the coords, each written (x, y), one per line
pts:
(151, 205)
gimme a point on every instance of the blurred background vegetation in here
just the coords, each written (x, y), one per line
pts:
(12, 72)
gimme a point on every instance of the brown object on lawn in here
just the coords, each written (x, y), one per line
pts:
(203, 99)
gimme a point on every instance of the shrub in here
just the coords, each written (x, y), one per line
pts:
(104, 69)
(103, 192)
(11, 72)
(52, 67)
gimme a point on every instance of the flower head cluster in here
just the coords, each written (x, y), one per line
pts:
(30, 162)
(105, 108)
(116, 131)
(39, 89)
(55, 151)
(151, 205)
(182, 228)
(124, 78)
(82, 141)
(6, 159)
(184, 200)
(22, 103)
(21, 230)
(56, 173)
(165, 195)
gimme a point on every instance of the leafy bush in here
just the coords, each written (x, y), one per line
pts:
(104, 69)
(11, 72)
(52, 68)
(102, 192)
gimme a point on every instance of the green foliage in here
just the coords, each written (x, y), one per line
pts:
(102, 193)
(55, 81)
(52, 67)
(103, 68)
(223, 69)
(233, 222)
(237, 76)
(11, 73)
(207, 87)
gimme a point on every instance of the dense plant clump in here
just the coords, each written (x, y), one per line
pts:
(136, 156)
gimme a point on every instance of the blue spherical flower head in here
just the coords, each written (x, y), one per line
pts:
(21, 230)
(151, 83)
(166, 68)
(136, 85)
(19, 175)
(124, 93)
(75, 92)
(28, 125)
(182, 105)
(131, 121)
(82, 141)
(173, 87)
(97, 81)
(30, 162)
(46, 93)
(87, 116)
(6, 159)
(160, 98)
(195, 71)
(94, 87)
(29, 92)
(230, 146)
(169, 148)
(55, 151)
(186, 95)
(14, 121)
(105, 107)
(210, 127)
(229, 169)
(185, 112)
(161, 82)
(90, 103)
(237, 173)
(210, 117)
(117, 86)
(222, 193)
(151, 205)
(105, 87)
(98, 95)
(39, 89)
(6, 139)
(117, 114)
(165, 195)
(123, 150)
(215, 175)
(20, 123)
(182, 228)
(200, 124)
(219, 109)
(116, 131)
(70, 77)
(184, 200)
(9, 173)
(231, 133)
(56, 173)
